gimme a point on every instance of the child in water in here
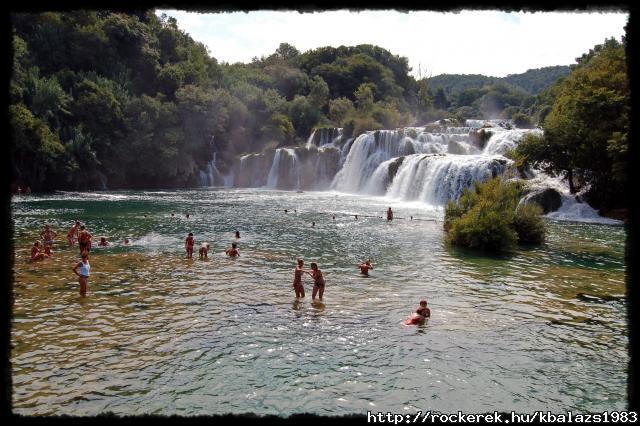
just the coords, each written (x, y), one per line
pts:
(36, 254)
(204, 249)
(233, 251)
(421, 314)
(83, 275)
(103, 242)
(365, 267)
(318, 281)
(238, 234)
(188, 245)
(297, 279)
(48, 250)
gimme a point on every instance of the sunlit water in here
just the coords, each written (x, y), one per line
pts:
(543, 328)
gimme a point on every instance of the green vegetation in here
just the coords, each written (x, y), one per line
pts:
(488, 217)
(586, 127)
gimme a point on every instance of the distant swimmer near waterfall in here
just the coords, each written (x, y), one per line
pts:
(365, 267)
(421, 314)
(297, 279)
(389, 214)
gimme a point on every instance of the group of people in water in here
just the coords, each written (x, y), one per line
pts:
(78, 233)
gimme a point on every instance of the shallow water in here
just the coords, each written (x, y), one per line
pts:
(542, 328)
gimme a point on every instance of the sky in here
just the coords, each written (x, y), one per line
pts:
(492, 43)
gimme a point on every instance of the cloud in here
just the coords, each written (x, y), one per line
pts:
(468, 42)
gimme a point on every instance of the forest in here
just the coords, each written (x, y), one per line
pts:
(128, 100)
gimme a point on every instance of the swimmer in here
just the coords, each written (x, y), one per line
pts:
(48, 235)
(188, 245)
(421, 314)
(84, 239)
(103, 242)
(356, 217)
(334, 217)
(238, 234)
(36, 254)
(83, 275)
(173, 215)
(73, 234)
(285, 210)
(204, 249)
(297, 279)
(318, 281)
(126, 241)
(411, 217)
(365, 267)
(389, 215)
(313, 224)
(187, 215)
(233, 251)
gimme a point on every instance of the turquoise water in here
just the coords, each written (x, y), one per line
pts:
(541, 328)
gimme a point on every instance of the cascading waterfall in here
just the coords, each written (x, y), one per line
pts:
(285, 170)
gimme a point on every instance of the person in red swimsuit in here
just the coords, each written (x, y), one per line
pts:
(421, 314)
(188, 245)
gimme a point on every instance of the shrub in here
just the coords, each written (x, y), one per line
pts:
(528, 224)
(485, 218)
(522, 121)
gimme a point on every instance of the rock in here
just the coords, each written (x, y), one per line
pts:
(549, 199)
(394, 166)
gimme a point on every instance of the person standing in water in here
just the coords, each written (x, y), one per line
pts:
(389, 215)
(189, 242)
(238, 234)
(365, 267)
(84, 240)
(83, 275)
(204, 250)
(48, 235)
(318, 281)
(73, 234)
(233, 251)
(297, 279)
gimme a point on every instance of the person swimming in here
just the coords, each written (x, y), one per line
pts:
(189, 242)
(204, 250)
(83, 275)
(126, 241)
(233, 251)
(420, 315)
(318, 281)
(365, 267)
(297, 279)
(103, 242)
(313, 224)
(238, 234)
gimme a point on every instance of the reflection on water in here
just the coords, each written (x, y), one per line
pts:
(541, 328)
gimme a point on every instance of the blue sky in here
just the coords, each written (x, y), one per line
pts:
(468, 42)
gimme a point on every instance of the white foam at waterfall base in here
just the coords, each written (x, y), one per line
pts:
(574, 211)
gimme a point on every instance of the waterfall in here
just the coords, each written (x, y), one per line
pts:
(211, 176)
(285, 170)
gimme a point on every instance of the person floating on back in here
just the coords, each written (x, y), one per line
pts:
(420, 315)
(204, 250)
(84, 240)
(297, 279)
(189, 242)
(389, 214)
(233, 251)
(36, 254)
(365, 267)
(73, 234)
(318, 281)
(83, 275)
